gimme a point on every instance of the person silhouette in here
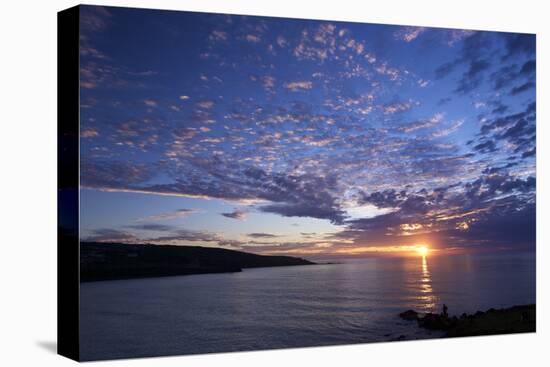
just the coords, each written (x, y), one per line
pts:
(445, 309)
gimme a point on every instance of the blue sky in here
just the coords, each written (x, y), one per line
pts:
(287, 136)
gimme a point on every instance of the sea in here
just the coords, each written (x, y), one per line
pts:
(352, 301)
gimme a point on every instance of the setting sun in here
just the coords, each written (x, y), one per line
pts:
(422, 250)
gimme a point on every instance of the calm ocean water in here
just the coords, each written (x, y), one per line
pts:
(357, 301)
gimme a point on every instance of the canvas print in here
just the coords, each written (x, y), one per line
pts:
(251, 183)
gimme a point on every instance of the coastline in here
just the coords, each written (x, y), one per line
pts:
(511, 320)
(116, 261)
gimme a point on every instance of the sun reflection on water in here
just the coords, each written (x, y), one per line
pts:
(427, 299)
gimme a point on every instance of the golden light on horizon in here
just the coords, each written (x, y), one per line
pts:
(422, 250)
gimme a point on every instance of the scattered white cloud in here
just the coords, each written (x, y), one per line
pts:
(409, 34)
(178, 213)
(253, 38)
(205, 104)
(422, 83)
(298, 85)
(218, 36)
(150, 103)
(89, 133)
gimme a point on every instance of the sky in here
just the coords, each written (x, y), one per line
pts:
(302, 137)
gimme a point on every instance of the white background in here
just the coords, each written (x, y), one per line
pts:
(28, 183)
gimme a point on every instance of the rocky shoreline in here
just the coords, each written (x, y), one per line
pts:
(516, 319)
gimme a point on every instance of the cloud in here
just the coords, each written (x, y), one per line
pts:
(253, 38)
(455, 215)
(445, 69)
(94, 18)
(185, 235)
(178, 213)
(384, 69)
(473, 56)
(96, 72)
(457, 35)
(488, 146)
(499, 107)
(318, 44)
(510, 74)
(502, 228)
(151, 227)
(392, 108)
(506, 121)
(519, 44)
(89, 133)
(472, 78)
(320, 211)
(217, 35)
(422, 83)
(281, 41)
(268, 82)
(385, 199)
(421, 124)
(529, 67)
(522, 88)
(529, 153)
(357, 130)
(518, 134)
(262, 235)
(409, 34)
(444, 100)
(110, 235)
(448, 130)
(298, 85)
(113, 174)
(236, 214)
(88, 51)
(504, 76)
(205, 104)
(516, 129)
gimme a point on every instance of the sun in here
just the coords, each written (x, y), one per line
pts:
(422, 250)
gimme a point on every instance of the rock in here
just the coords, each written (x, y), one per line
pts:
(517, 319)
(409, 315)
(433, 321)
